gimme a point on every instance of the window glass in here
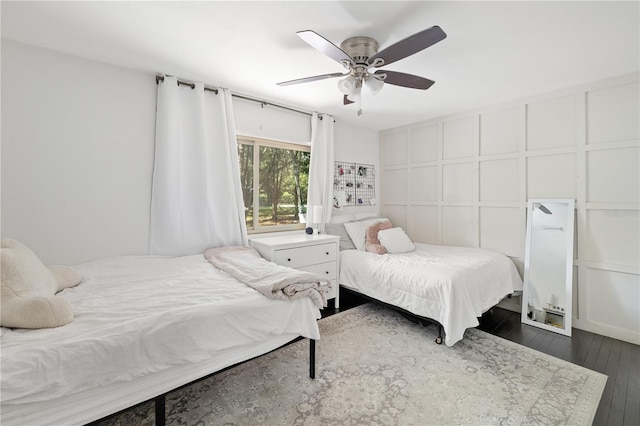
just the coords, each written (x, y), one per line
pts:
(274, 180)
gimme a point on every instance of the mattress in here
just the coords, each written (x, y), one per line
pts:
(140, 317)
(452, 285)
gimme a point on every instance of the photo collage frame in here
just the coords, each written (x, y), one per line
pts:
(357, 181)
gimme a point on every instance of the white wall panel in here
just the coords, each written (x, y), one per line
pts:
(397, 215)
(500, 131)
(423, 224)
(613, 299)
(613, 175)
(424, 183)
(551, 176)
(551, 123)
(459, 138)
(457, 182)
(394, 186)
(424, 144)
(395, 148)
(499, 180)
(501, 230)
(614, 237)
(581, 143)
(613, 113)
(457, 226)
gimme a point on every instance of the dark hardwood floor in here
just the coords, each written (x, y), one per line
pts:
(620, 361)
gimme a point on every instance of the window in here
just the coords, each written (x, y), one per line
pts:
(274, 178)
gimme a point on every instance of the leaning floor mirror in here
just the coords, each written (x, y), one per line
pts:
(548, 265)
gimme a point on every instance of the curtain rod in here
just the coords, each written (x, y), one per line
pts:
(260, 101)
(160, 78)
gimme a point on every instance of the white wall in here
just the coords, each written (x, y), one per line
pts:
(77, 155)
(465, 179)
(266, 121)
(77, 152)
(359, 145)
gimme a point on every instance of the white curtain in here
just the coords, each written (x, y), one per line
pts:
(196, 199)
(320, 195)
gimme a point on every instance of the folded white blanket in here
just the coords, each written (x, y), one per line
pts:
(273, 280)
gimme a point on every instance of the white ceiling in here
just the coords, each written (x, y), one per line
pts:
(495, 52)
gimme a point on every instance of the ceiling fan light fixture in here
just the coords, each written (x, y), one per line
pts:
(374, 84)
(354, 95)
(347, 85)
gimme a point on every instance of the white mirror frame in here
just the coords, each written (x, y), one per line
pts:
(568, 313)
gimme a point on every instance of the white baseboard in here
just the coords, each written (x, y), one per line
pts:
(606, 330)
(514, 304)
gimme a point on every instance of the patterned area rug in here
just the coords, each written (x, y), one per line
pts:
(375, 367)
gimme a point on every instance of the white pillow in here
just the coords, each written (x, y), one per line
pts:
(395, 240)
(358, 230)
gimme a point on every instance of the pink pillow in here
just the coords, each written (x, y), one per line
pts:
(372, 243)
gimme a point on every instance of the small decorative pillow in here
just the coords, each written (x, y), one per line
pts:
(28, 289)
(357, 230)
(372, 242)
(396, 241)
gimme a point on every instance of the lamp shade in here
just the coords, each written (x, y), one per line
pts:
(347, 85)
(355, 93)
(374, 84)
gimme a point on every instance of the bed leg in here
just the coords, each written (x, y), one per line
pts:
(439, 338)
(312, 358)
(160, 411)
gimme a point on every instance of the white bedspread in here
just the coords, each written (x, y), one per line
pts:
(452, 285)
(137, 315)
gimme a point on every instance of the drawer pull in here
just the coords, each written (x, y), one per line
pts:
(289, 260)
(327, 253)
(327, 272)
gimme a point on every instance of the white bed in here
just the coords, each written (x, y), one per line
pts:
(143, 326)
(451, 285)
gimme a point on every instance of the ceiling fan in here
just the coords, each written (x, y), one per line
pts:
(359, 54)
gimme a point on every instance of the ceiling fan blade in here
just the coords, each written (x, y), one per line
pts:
(325, 46)
(410, 45)
(314, 78)
(405, 80)
(346, 100)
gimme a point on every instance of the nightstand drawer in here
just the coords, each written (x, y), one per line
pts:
(303, 256)
(326, 271)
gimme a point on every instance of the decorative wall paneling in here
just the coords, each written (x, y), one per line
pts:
(465, 179)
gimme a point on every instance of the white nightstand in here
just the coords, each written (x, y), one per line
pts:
(311, 253)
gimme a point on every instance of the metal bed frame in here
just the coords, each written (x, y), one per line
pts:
(159, 401)
(411, 316)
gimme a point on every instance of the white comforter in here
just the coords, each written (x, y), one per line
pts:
(138, 315)
(452, 285)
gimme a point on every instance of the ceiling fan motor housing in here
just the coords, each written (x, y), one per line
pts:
(360, 48)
